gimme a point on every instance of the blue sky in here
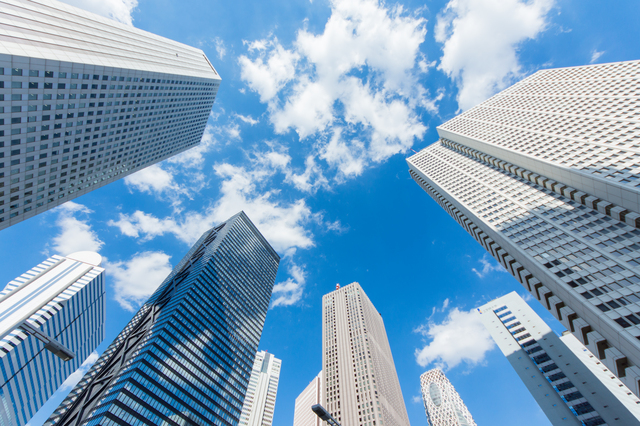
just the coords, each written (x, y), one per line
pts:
(320, 103)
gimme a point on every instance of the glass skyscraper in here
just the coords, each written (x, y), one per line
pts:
(187, 355)
(85, 100)
(546, 177)
(51, 319)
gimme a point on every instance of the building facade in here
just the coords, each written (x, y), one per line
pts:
(85, 100)
(543, 175)
(442, 403)
(186, 356)
(361, 387)
(260, 401)
(569, 390)
(310, 396)
(51, 320)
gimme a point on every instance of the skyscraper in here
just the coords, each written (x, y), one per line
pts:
(361, 387)
(186, 356)
(310, 396)
(443, 405)
(51, 319)
(260, 400)
(569, 391)
(85, 100)
(543, 175)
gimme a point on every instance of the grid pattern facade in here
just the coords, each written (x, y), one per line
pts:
(85, 101)
(75, 318)
(443, 405)
(310, 396)
(361, 385)
(260, 401)
(565, 387)
(192, 361)
(576, 252)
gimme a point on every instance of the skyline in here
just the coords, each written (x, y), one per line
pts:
(339, 246)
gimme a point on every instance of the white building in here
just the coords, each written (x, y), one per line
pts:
(570, 387)
(51, 319)
(361, 385)
(543, 176)
(442, 403)
(310, 396)
(85, 100)
(260, 400)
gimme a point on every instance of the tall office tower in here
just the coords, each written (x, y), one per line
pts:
(51, 319)
(569, 391)
(85, 101)
(443, 405)
(186, 356)
(361, 386)
(260, 400)
(310, 396)
(542, 176)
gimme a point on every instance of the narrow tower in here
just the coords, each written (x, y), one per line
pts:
(443, 405)
(361, 385)
(51, 319)
(186, 356)
(260, 401)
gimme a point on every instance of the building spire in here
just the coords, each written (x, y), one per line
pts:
(337, 286)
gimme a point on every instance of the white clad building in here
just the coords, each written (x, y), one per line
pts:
(361, 386)
(310, 396)
(442, 403)
(85, 100)
(260, 400)
(51, 319)
(569, 387)
(543, 175)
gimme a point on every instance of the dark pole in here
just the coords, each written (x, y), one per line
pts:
(324, 415)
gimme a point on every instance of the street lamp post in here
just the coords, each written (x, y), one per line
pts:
(324, 415)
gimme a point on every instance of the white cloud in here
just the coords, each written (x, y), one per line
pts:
(194, 157)
(290, 291)
(311, 179)
(481, 39)
(75, 234)
(75, 377)
(118, 10)
(220, 48)
(595, 55)
(152, 180)
(460, 338)
(136, 279)
(488, 265)
(247, 119)
(358, 77)
(416, 399)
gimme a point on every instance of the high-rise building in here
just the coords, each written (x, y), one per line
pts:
(51, 319)
(85, 100)
(186, 356)
(570, 387)
(361, 387)
(443, 405)
(260, 400)
(543, 175)
(310, 396)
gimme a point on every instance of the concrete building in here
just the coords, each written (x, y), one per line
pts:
(361, 385)
(51, 319)
(260, 400)
(543, 175)
(569, 390)
(443, 405)
(310, 396)
(186, 356)
(85, 100)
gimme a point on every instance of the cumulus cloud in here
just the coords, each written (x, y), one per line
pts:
(75, 377)
(358, 77)
(488, 265)
(75, 234)
(220, 48)
(118, 10)
(481, 39)
(460, 338)
(136, 279)
(595, 55)
(290, 291)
